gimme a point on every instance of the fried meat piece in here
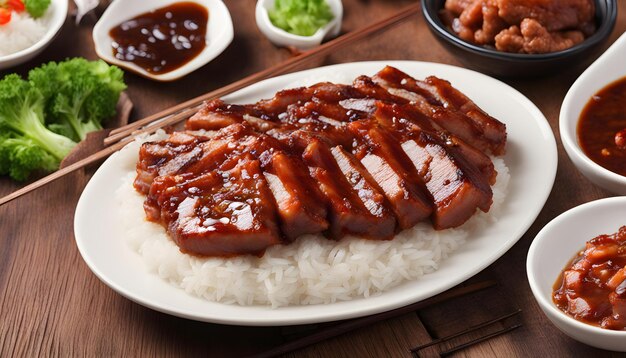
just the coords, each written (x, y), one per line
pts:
(457, 187)
(555, 15)
(220, 213)
(355, 206)
(453, 110)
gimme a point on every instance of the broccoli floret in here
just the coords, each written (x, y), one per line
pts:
(20, 156)
(25, 143)
(36, 8)
(79, 94)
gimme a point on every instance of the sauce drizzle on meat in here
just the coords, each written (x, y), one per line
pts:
(162, 40)
(367, 159)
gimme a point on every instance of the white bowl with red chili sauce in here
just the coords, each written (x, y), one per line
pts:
(553, 249)
(607, 69)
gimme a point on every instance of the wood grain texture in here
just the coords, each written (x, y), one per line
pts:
(52, 305)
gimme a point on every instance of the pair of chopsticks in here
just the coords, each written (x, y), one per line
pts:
(351, 325)
(119, 137)
(501, 319)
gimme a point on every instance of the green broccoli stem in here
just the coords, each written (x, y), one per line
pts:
(81, 129)
(72, 116)
(32, 127)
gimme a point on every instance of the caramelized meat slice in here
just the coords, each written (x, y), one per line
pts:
(365, 186)
(325, 91)
(220, 213)
(416, 120)
(377, 152)
(301, 206)
(441, 93)
(443, 118)
(174, 153)
(217, 114)
(412, 117)
(385, 160)
(351, 211)
(456, 186)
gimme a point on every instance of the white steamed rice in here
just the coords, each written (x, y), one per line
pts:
(21, 32)
(312, 270)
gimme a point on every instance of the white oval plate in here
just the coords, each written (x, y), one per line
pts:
(531, 158)
(218, 36)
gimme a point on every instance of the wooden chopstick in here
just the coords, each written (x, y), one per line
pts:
(479, 340)
(64, 171)
(466, 331)
(188, 108)
(350, 325)
(178, 113)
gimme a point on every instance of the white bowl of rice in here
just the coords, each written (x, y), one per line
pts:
(25, 37)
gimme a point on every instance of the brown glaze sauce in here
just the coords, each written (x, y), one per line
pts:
(164, 39)
(592, 287)
(602, 126)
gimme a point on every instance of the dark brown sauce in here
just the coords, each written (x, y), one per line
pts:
(601, 120)
(162, 40)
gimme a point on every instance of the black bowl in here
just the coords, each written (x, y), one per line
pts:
(504, 64)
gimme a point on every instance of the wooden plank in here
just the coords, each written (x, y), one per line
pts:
(52, 305)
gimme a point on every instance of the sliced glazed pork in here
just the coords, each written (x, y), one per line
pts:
(368, 159)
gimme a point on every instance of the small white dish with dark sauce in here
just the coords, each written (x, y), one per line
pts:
(219, 34)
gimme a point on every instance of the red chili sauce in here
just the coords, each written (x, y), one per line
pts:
(162, 40)
(602, 127)
(592, 288)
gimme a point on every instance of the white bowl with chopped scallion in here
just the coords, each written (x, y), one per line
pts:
(302, 24)
(27, 29)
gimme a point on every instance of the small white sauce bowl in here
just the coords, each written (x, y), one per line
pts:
(218, 36)
(608, 68)
(281, 37)
(55, 18)
(553, 248)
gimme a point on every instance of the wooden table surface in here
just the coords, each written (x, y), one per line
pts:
(52, 304)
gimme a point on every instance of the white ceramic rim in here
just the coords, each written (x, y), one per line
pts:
(263, 20)
(548, 305)
(568, 120)
(531, 144)
(56, 23)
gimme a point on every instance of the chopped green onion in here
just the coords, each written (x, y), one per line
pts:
(301, 17)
